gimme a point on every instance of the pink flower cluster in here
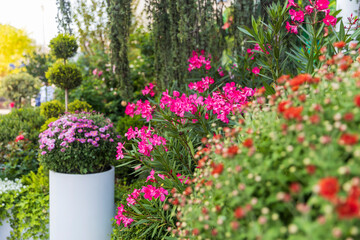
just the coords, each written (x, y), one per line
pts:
(150, 192)
(197, 61)
(120, 218)
(96, 72)
(72, 128)
(149, 90)
(143, 108)
(256, 49)
(231, 100)
(297, 17)
(148, 139)
(202, 85)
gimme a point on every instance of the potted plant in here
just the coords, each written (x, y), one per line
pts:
(78, 150)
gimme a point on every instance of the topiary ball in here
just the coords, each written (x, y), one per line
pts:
(63, 46)
(78, 105)
(65, 76)
(52, 109)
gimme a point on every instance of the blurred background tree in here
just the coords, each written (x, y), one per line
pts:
(14, 44)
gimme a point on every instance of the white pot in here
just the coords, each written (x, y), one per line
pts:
(5, 229)
(347, 7)
(82, 206)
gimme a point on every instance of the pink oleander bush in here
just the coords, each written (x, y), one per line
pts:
(163, 150)
(78, 143)
(289, 169)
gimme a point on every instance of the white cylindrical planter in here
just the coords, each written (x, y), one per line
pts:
(5, 229)
(81, 206)
(347, 7)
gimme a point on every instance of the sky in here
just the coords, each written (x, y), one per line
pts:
(28, 15)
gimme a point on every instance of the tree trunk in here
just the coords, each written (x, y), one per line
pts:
(66, 100)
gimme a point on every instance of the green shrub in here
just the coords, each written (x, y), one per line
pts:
(19, 86)
(80, 106)
(18, 158)
(122, 189)
(65, 76)
(52, 109)
(126, 122)
(63, 46)
(45, 126)
(30, 208)
(26, 120)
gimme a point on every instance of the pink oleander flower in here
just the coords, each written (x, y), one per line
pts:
(296, 15)
(322, 4)
(183, 179)
(291, 4)
(330, 20)
(95, 71)
(256, 70)
(291, 28)
(309, 9)
(149, 90)
(120, 154)
(131, 133)
(197, 61)
(120, 218)
(151, 177)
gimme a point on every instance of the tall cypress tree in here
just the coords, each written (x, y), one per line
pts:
(63, 17)
(119, 22)
(180, 26)
(243, 10)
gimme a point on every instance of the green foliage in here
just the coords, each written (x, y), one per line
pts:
(63, 46)
(18, 158)
(78, 105)
(45, 126)
(273, 41)
(65, 76)
(120, 20)
(19, 86)
(38, 64)
(126, 122)
(122, 190)
(94, 154)
(177, 30)
(52, 109)
(26, 120)
(30, 216)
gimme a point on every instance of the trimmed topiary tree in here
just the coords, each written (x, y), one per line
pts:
(62, 74)
(19, 86)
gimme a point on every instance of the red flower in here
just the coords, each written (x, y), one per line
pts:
(20, 137)
(239, 213)
(248, 143)
(293, 113)
(329, 187)
(357, 99)
(348, 209)
(300, 79)
(295, 187)
(315, 119)
(233, 150)
(311, 169)
(348, 139)
(217, 168)
(348, 117)
(283, 106)
(283, 79)
(340, 44)
(12, 105)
